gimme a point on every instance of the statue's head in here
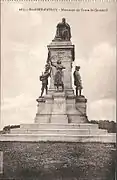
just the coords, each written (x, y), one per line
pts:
(77, 68)
(63, 20)
(59, 62)
(47, 66)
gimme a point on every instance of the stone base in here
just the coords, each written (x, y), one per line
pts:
(61, 107)
(57, 118)
(59, 126)
(59, 132)
(75, 118)
(60, 138)
(42, 118)
(60, 118)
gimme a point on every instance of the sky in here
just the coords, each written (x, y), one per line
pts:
(24, 39)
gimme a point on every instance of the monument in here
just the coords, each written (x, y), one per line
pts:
(60, 104)
(61, 113)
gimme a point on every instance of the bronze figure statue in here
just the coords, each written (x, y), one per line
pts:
(63, 31)
(77, 81)
(44, 78)
(58, 78)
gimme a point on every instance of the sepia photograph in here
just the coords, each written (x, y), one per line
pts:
(58, 90)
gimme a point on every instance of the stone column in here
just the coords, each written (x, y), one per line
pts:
(64, 51)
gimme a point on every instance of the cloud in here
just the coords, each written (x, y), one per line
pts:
(19, 26)
(21, 100)
(104, 109)
(21, 109)
(100, 73)
(100, 82)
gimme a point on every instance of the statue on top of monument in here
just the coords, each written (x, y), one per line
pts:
(44, 78)
(63, 31)
(77, 81)
(58, 78)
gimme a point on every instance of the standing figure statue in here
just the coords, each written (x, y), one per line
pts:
(77, 81)
(63, 31)
(58, 78)
(44, 78)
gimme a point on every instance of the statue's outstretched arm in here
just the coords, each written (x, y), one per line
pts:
(53, 64)
(46, 75)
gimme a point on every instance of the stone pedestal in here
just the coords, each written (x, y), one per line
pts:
(44, 109)
(81, 104)
(59, 114)
(76, 110)
(61, 108)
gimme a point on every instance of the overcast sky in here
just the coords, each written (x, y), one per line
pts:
(25, 36)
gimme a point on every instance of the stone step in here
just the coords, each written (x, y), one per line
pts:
(60, 138)
(58, 126)
(59, 131)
